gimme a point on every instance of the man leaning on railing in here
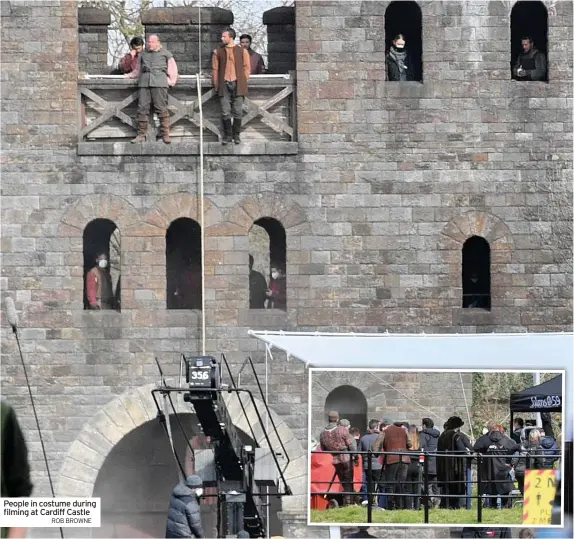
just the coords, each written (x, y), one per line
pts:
(157, 71)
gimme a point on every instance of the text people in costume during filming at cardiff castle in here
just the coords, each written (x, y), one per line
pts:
(156, 71)
(231, 67)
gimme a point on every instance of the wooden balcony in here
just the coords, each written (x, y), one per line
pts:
(108, 105)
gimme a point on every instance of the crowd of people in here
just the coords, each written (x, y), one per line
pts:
(392, 456)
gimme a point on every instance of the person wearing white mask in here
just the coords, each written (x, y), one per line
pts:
(184, 517)
(99, 285)
(277, 292)
(399, 67)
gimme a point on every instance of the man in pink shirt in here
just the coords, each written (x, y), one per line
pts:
(157, 71)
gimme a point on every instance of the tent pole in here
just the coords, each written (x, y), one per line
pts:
(538, 416)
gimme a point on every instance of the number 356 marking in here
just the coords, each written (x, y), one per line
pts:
(199, 375)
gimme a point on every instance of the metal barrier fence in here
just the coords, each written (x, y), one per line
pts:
(426, 480)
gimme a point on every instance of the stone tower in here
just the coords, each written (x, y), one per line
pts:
(369, 189)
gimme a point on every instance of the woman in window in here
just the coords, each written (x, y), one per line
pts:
(399, 66)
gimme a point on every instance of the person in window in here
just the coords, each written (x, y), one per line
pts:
(129, 61)
(531, 63)
(399, 66)
(277, 292)
(257, 63)
(99, 289)
(257, 288)
(189, 289)
(15, 467)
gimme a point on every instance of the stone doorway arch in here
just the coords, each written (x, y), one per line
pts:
(135, 409)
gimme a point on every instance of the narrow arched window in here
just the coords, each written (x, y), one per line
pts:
(529, 41)
(102, 265)
(267, 265)
(183, 264)
(476, 273)
(404, 41)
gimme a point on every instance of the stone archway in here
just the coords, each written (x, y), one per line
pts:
(134, 408)
(485, 225)
(325, 382)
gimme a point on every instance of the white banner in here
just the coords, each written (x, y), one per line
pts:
(50, 512)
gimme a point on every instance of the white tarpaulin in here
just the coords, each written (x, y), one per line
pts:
(537, 351)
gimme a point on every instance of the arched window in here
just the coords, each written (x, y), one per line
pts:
(476, 273)
(102, 265)
(529, 30)
(183, 264)
(267, 265)
(405, 17)
(351, 404)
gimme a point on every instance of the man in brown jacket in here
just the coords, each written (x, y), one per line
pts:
(394, 438)
(231, 68)
(337, 438)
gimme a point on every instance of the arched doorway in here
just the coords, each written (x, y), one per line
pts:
(350, 403)
(138, 475)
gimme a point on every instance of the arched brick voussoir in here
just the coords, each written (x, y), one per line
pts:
(474, 223)
(178, 205)
(249, 210)
(91, 207)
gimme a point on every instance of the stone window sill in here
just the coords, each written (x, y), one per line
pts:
(187, 148)
(472, 317)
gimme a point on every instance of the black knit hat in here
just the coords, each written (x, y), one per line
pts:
(454, 422)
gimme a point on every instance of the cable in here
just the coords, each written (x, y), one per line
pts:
(15, 331)
(466, 406)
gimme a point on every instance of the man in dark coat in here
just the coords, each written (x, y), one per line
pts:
(496, 470)
(257, 288)
(183, 518)
(451, 470)
(429, 442)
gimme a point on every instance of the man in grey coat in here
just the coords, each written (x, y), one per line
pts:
(183, 517)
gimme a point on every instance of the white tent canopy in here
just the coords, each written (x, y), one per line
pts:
(537, 351)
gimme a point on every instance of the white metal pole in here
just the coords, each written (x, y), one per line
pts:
(538, 416)
(201, 211)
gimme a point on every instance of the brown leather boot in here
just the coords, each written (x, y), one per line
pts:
(142, 130)
(164, 127)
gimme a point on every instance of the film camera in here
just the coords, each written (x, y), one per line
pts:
(201, 372)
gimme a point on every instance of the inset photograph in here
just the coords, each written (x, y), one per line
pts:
(441, 447)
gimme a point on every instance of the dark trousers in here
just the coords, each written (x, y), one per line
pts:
(231, 103)
(396, 475)
(373, 487)
(413, 486)
(152, 96)
(344, 471)
(520, 480)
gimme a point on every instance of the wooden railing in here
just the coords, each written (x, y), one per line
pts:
(108, 106)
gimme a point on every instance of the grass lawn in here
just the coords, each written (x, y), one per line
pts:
(358, 515)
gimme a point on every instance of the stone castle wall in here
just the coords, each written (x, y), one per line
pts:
(388, 183)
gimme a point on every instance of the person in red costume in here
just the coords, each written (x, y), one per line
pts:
(277, 293)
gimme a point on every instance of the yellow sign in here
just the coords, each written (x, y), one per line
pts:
(539, 492)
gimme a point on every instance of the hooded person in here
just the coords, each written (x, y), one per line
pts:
(429, 443)
(183, 517)
(496, 470)
(451, 469)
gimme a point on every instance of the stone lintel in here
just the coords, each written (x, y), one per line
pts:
(188, 148)
(90, 16)
(282, 15)
(187, 15)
